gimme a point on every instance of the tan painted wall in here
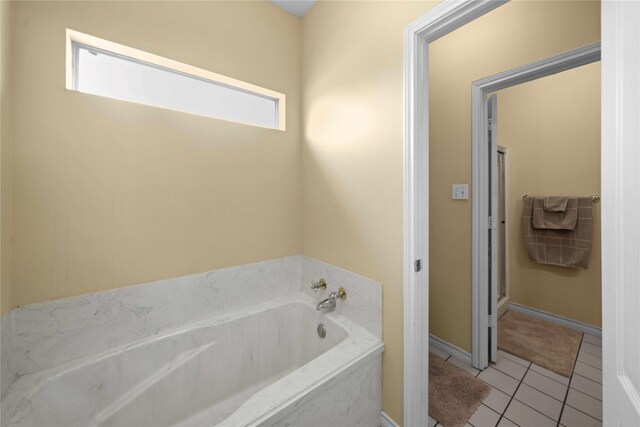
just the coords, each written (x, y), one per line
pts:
(5, 164)
(515, 34)
(352, 156)
(551, 128)
(108, 193)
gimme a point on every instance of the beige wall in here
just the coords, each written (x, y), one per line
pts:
(352, 155)
(108, 193)
(515, 34)
(551, 128)
(5, 164)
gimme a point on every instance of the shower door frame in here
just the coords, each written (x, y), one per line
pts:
(485, 183)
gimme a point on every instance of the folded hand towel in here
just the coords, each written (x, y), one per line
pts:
(555, 220)
(555, 204)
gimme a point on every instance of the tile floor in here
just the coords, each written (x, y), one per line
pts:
(526, 395)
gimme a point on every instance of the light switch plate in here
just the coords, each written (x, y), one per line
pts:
(460, 191)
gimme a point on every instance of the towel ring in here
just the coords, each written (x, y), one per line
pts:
(594, 197)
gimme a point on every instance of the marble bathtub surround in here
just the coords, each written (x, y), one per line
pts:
(364, 296)
(51, 333)
(40, 337)
(282, 362)
(7, 373)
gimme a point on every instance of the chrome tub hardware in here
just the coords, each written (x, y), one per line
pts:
(322, 330)
(330, 302)
(321, 284)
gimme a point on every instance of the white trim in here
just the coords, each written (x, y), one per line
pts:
(554, 318)
(619, 211)
(386, 420)
(73, 37)
(503, 305)
(447, 347)
(507, 220)
(481, 185)
(441, 20)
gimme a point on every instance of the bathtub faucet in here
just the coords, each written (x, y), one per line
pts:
(331, 301)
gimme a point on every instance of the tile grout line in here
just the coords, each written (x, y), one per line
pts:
(549, 378)
(509, 375)
(564, 403)
(482, 404)
(589, 365)
(583, 413)
(580, 410)
(588, 379)
(534, 409)
(513, 396)
(540, 391)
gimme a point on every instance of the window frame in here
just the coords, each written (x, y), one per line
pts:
(74, 39)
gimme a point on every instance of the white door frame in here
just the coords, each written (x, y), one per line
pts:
(505, 150)
(441, 20)
(620, 198)
(482, 185)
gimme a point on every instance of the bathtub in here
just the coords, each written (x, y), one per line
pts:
(260, 365)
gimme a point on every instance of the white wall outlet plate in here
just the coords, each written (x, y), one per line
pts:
(460, 191)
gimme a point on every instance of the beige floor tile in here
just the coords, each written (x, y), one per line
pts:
(499, 380)
(516, 359)
(587, 386)
(484, 417)
(594, 374)
(506, 423)
(592, 339)
(470, 369)
(573, 418)
(441, 354)
(549, 374)
(497, 400)
(510, 367)
(590, 359)
(585, 403)
(591, 349)
(545, 385)
(539, 401)
(525, 416)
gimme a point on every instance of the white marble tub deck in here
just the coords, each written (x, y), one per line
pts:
(124, 385)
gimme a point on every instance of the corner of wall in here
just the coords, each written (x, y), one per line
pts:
(5, 163)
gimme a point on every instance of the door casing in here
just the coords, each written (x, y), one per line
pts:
(484, 184)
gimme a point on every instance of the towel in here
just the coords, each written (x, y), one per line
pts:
(562, 247)
(555, 220)
(555, 204)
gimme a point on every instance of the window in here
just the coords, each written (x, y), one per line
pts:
(108, 69)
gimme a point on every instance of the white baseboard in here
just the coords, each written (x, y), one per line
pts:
(503, 305)
(562, 321)
(386, 420)
(451, 349)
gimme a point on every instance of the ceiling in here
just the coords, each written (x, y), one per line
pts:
(295, 7)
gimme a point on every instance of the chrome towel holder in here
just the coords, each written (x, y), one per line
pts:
(594, 197)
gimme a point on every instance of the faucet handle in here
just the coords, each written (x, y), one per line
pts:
(321, 284)
(342, 294)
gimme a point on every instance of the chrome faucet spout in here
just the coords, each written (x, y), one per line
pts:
(330, 302)
(326, 303)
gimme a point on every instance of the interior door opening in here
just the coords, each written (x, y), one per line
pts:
(503, 250)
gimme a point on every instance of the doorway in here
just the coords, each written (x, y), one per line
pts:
(620, 107)
(503, 231)
(486, 248)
